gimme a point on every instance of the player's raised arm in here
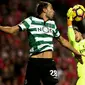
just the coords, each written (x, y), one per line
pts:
(70, 31)
(69, 17)
(10, 29)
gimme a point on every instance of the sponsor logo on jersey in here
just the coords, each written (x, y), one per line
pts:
(45, 30)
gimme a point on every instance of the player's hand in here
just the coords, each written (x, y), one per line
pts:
(79, 59)
(70, 14)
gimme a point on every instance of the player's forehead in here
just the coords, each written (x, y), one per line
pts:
(77, 32)
(50, 5)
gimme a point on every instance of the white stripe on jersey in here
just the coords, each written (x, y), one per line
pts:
(42, 45)
(43, 39)
(57, 34)
(22, 26)
(28, 21)
(36, 26)
(47, 48)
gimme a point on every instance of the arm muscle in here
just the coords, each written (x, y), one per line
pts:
(10, 29)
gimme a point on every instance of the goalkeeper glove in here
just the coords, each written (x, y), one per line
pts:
(70, 14)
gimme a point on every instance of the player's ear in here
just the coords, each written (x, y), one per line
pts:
(44, 10)
(84, 15)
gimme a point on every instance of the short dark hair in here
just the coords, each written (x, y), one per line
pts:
(76, 28)
(40, 6)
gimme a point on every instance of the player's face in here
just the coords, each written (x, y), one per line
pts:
(77, 35)
(49, 11)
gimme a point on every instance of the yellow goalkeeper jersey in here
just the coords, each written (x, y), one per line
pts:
(80, 46)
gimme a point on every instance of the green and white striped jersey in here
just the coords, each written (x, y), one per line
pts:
(40, 33)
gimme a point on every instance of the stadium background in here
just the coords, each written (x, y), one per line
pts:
(14, 48)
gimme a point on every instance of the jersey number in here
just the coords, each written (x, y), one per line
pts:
(54, 73)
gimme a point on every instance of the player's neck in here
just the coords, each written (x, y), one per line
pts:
(43, 16)
(82, 38)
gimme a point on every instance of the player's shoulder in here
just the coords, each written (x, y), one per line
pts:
(35, 18)
(83, 40)
(51, 21)
(31, 18)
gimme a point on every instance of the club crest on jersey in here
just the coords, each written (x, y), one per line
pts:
(45, 30)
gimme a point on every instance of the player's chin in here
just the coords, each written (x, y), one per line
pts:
(77, 40)
(51, 17)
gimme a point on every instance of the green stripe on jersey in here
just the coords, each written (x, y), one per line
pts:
(26, 24)
(44, 36)
(50, 25)
(44, 47)
(33, 29)
(43, 42)
(37, 23)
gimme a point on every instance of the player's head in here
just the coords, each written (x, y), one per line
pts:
(45, 8)
(78, 35)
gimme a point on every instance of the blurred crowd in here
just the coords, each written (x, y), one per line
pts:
(14, 49)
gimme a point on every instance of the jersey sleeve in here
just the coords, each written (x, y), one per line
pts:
(25, 24)
(56, 32)
(71, 35)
